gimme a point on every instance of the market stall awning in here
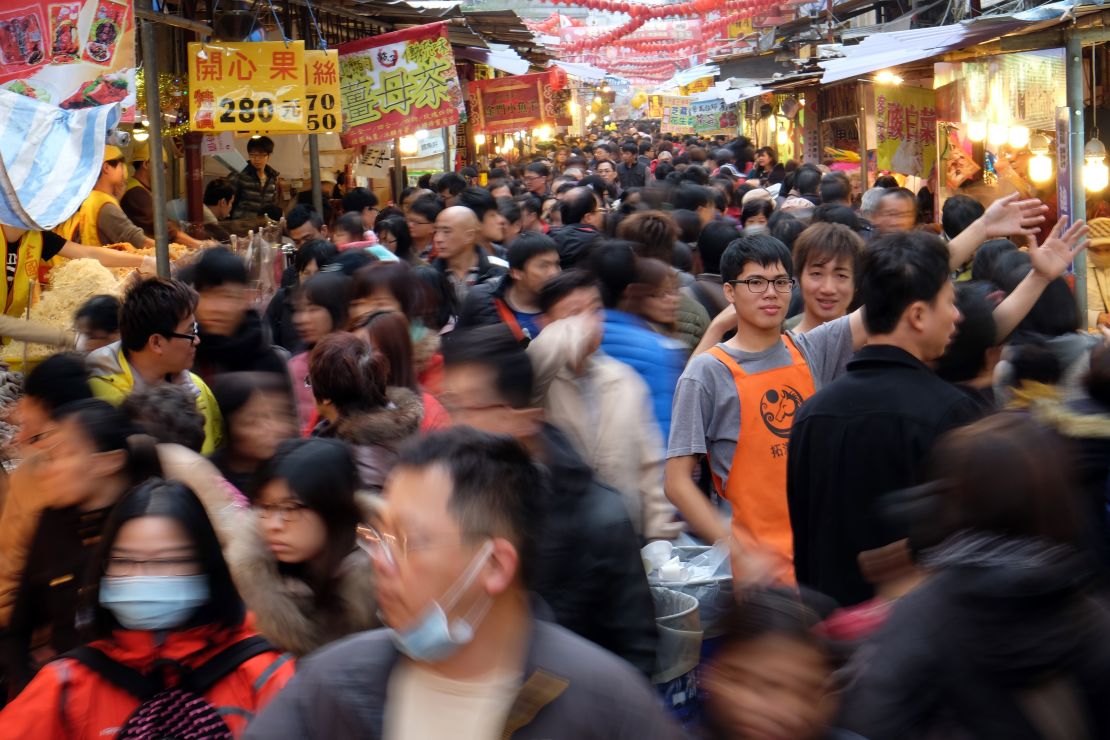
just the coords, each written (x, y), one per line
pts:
(498, 56)
(686, 76)
(883, 50)
(585, 72)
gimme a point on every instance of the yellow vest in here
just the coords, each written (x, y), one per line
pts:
(26, 271)
(81, 226)
(132, 183)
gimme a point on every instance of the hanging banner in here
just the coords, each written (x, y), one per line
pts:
(398, 83)
(655, 106)
(675, 116)
(254, 87)
(699, 85)
(73, 54)
(520, 102)
(322, 112)
(713, 118)
(905, 129)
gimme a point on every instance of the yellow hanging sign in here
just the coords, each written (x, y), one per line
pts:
(322, 113)
(254, 87)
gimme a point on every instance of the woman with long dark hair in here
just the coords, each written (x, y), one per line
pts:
(160, 605)
(95, 455)
(299, 570)
(320, 307)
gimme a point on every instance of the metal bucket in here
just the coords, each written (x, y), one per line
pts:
(715, 596)
(677, 652)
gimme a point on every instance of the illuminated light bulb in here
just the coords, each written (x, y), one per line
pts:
(1096, 175)
(597, 99)
(997, 134)
(421, 134)
(140, 134)
(886, 77)
(782, 137)
(479, 139)
(409, 145)
(976, 130)
(1018, 137)
(1040, 168)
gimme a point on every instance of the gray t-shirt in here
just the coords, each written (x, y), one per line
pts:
(706, 412)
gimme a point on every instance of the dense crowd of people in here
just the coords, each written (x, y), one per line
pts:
(406, 497)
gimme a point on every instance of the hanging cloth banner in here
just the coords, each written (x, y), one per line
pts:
(255, 87)
(713, 117)
(906, 129)
(520, 102)
(37, 142)
(71, 53)
(675, 116)
(397, 84)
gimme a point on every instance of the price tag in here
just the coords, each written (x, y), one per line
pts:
(247, 87)
(322, 92)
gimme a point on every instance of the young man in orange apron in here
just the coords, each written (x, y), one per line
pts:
(736, 403)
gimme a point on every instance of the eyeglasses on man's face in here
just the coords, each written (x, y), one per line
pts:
(760, 284)
(191, 337)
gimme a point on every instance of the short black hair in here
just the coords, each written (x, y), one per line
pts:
(469, 171)
(763, 249)
(630, 148)
(886, 181)
(58, 380)
(712, 243)
(479, 200)
(320, 251)
(756, 207)
(496, 490)
(959, 212)
(1054, 314)
(302, 214)
(261, 144)
(834, 213)
(577, 204)
(529, 203)
(691, 196)
(219, 266)
(102, 313)
(613, 262)
(350, 223)
(216, 191)
(538, 168)
(983, 266)
(451, 182)
(898, 270)
(358, 199)
(167, 412)
(427, 206)
(834, 188)
(965, 356)
(807, 179)
(176, 501)
(154, 306)
(562, 285)
(350, 261)
(527, 246)
(494, 347)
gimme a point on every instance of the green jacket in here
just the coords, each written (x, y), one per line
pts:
(112, 380)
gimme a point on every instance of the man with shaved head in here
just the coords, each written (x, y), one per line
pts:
(460, 258)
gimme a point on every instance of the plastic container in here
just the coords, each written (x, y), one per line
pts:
(715, 595)
(677, 652)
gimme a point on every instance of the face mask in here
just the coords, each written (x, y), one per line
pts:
(153, 602)
(434, 637)
(417, 331)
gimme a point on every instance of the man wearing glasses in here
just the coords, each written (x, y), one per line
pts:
(536, 176)
(158, 344)
(256, 185)
(736, 402)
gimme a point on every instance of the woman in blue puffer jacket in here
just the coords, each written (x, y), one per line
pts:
(641, 298)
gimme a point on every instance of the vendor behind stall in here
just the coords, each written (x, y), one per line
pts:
(100, 220)
(138, 199)
(256, 185)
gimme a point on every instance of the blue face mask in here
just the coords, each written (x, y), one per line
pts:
(433, 637)
(153, 602)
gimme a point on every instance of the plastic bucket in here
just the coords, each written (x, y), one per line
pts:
(715, 596)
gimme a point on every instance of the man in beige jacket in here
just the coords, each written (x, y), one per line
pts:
(602, 405)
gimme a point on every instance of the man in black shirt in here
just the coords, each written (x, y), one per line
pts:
(631, 171)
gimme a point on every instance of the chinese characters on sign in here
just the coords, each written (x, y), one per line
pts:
(676, 118)
(905, 130)
(322, 113)
(713, 117)
(69, 53)
(253, 87)
(511, 103)
(398, 83)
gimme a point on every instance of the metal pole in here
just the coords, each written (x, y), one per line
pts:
(157, 174)
(862, 94)
(447, 149)
(1074, 85)
(313, 142)
(398, 171)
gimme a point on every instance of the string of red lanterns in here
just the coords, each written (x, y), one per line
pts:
(677, 10)
(619, 34)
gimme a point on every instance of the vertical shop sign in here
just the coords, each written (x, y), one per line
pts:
(322, 105)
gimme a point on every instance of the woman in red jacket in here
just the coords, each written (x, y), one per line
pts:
(163, 608)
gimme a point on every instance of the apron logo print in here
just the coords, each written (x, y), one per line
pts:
(778, 407)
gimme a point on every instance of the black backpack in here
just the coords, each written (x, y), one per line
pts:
(179, 712)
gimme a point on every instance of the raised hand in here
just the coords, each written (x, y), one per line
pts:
(1051, 259)
(1008, 216)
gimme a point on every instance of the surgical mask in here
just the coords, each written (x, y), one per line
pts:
(417, 330)
(153, 602)
(434, 637)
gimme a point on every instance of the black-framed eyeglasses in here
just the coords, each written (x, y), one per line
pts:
(759, 284)
(191, 337)
(289, 512)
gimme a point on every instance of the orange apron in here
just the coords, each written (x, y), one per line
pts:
(756, 486)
